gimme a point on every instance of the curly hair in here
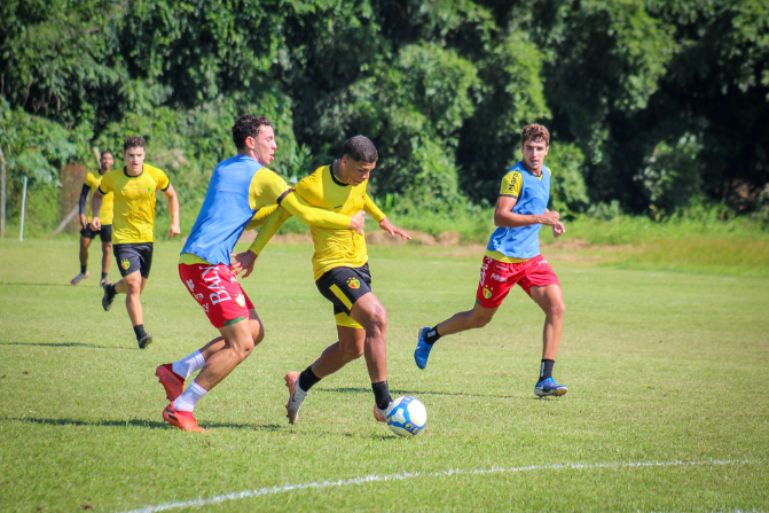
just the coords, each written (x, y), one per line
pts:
(536, 133)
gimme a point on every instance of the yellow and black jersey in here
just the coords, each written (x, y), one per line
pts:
(92, 181)
(134, 202)
(333, 247)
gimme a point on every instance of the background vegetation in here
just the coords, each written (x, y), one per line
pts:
(655, 106)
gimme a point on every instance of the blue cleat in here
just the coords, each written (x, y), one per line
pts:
(422, 352)
(548, 387)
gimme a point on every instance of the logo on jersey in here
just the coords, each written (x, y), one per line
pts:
(353, 283)
(125, 264)
(514, 185)
(486, 293)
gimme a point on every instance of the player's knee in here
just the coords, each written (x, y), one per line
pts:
(379, 318)
(353, 351)
(133, 287)
(257, 332)
(556, 309)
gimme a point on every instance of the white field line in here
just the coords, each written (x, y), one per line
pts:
(375, 478)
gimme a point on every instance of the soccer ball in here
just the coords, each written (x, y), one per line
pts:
(407, 417)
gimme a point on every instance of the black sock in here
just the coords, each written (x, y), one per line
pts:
(546, 369)
(139, 331)
(307, 379)
(83, 269)
(381, 394)
(111, 289)
(432, 335)
(104, 276)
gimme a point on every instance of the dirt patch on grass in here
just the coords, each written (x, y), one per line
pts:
(564, 250)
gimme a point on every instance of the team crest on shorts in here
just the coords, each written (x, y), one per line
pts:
(125, 264)
(353, 282)
(240, 300)
(486, 293)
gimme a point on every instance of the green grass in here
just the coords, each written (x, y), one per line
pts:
(662, 367)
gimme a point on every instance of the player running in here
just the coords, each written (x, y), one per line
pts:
(87, 233)
(239, 187)
(134, 189)
(513, 256)
(340, 267)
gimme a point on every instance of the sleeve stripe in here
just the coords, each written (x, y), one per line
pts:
(285, 193)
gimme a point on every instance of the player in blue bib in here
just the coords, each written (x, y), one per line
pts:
(513, 256)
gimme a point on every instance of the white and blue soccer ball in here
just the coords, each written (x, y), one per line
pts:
(407, 417)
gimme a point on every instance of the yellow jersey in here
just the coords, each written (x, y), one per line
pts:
(333, 247)
(134, 203)
(92, 180)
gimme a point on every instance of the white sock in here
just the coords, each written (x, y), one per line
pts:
(190, 397)
(189, 364)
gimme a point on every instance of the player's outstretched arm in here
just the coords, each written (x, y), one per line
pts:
(296, 206)
(393, 230)
(371, 208)
(173, 211)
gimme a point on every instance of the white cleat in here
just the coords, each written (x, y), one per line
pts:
(381, 415)
(78, 278)
(295, 396)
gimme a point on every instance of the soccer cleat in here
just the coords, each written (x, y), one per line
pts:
(381, 415)
(183, 420)
(144, 341)
(422, 352)
(78, 278)
(295, 396)
(107, 298)
(548, 387)
(171, 381)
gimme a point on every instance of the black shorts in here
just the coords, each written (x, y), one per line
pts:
(133, 257)
(105, 234)
(343, 286)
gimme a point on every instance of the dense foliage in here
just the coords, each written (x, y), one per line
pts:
(654, 105)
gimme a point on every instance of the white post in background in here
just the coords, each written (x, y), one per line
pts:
(3, 178)
(23, 209)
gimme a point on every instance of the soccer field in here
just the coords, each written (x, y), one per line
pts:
(665, 411)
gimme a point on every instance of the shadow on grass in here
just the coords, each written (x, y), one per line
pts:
(30, 284)
(400, 392)
(143, 423)
(64, 345)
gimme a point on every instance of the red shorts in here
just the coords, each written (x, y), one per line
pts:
(497, 278)
(217, 290)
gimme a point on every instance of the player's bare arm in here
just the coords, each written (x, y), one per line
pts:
(503, 215)
(173, 210)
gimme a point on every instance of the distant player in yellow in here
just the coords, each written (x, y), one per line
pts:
(340, 267)
(87, 233)
(134, 189)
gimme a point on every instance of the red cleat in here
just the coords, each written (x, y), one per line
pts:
(171, 381)
(184, 420)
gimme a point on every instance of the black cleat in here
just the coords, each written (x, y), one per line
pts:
(108, 297)
(144, 341)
